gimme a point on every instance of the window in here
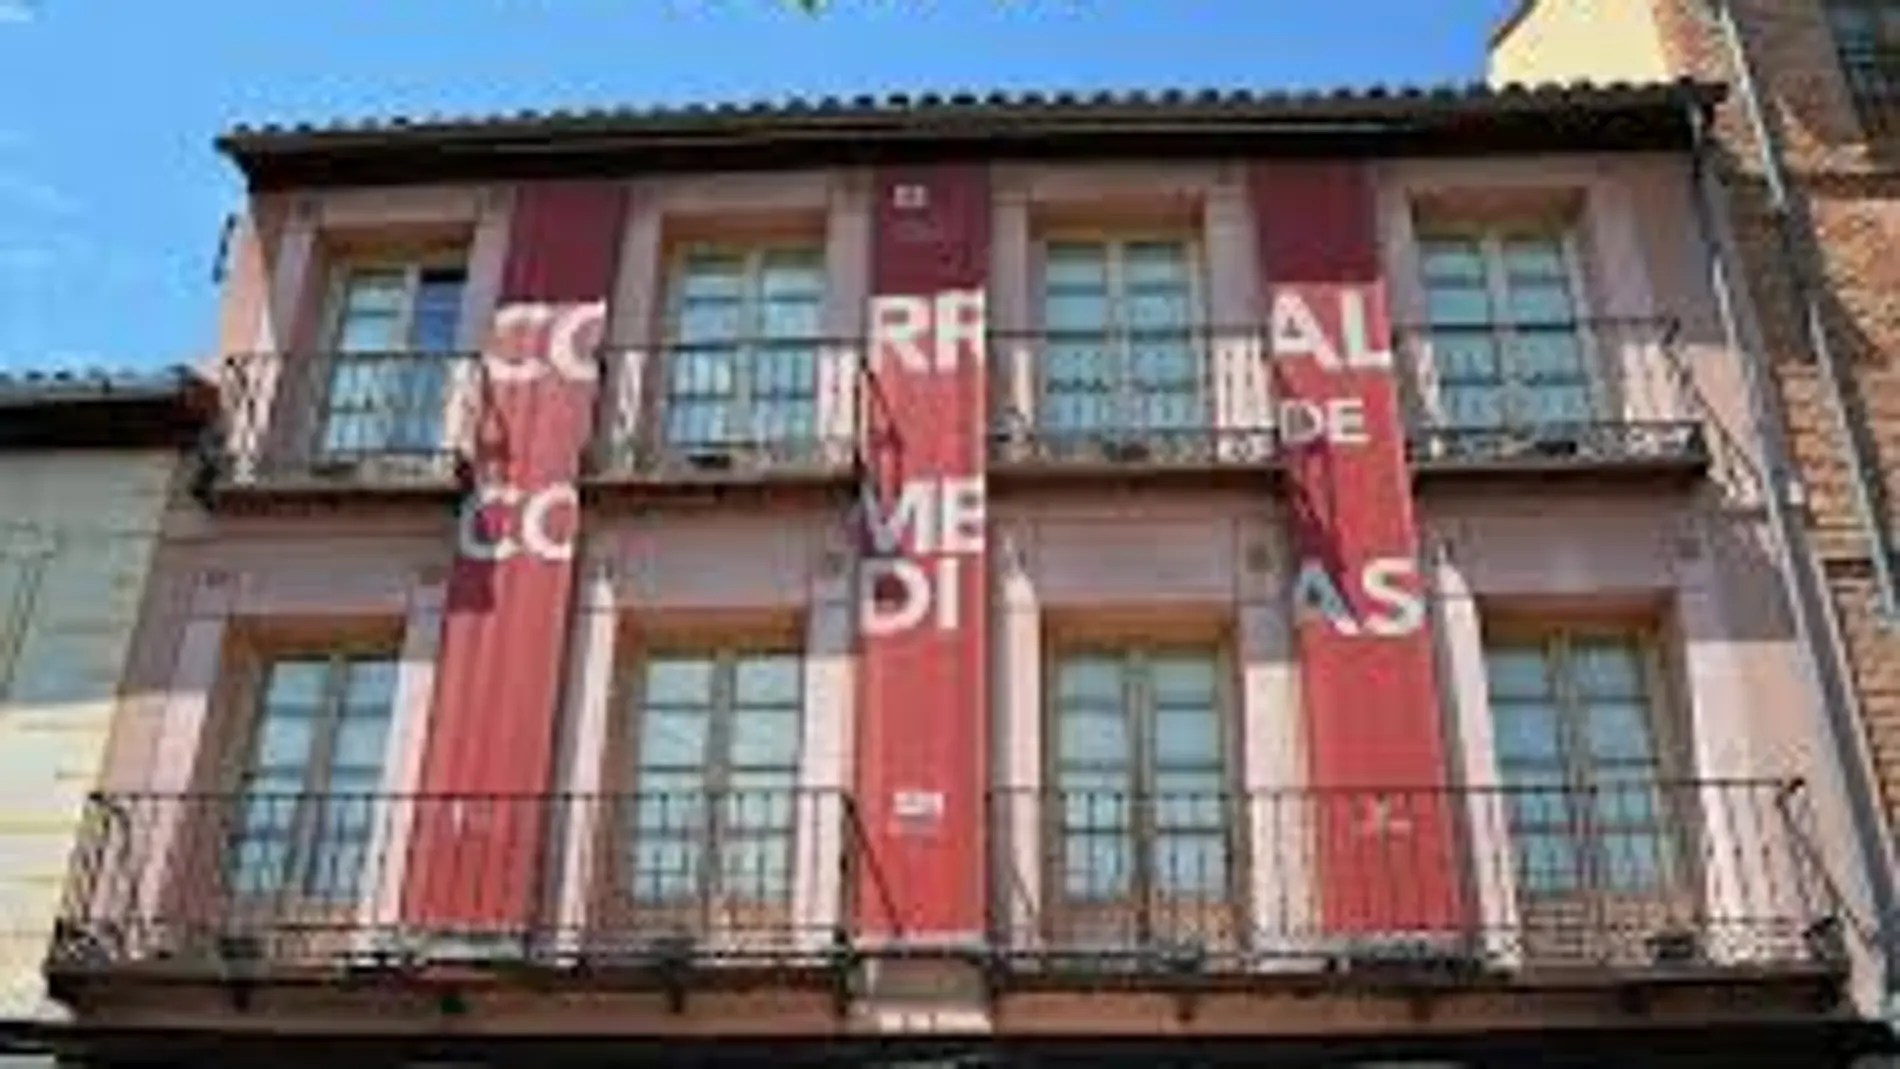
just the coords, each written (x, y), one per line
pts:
(307, 802)
(1121, 350)
(1573, 717)
(743, 368)
(716, 745)
(1140, 770)
(1867, 37)
(1506, 341)
(395, 329)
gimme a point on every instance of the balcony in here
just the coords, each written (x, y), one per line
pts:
(1599, 397)
(632, 890)
(358, 421)
(1873, 77)
(1131, 402)
(719, 414)
(1514, 887)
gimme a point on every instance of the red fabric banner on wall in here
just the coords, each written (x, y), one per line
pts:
(477, 835)
(923, 674)
(1387, 839)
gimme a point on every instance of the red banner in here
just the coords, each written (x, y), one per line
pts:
(924, 615)
(1366, 675)
(478, 837)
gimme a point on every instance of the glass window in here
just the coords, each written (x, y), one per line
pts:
(308, 797)
(1122, 348)
(716, 748)
(1506, 342)
(743, 367)
(1140, 764)
(395, 330)
(1572, 714)
(1867, 38)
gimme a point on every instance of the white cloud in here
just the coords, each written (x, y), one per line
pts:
(16, 11)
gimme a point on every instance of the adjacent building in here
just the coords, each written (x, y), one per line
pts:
(1806, 149)
(88, 466)
(1184, 578)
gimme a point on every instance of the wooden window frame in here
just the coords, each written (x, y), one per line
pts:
(337, 657)
(716, 766)
(1491, 237)
(1139, 710)
(749, 340)
(1555, 639)
(1116, 333)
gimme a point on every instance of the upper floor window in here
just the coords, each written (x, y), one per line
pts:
(1507, 345)
(742, 361)
(1122, 351)
(1144, 838)
(1574, 714)
(395, 327)
(1867, 37)
(314, 762)
(715, 772)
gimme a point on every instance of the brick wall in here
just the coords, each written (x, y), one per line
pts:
(76, 536)
(1848, 186)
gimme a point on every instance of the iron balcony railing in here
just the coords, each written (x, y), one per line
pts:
(353, 419)
(1598, 392)
(1467, 881)
(745, 408)
(1873, 77)
(274, 883)
(1173, 397)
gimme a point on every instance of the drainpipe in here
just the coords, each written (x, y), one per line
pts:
(1792, 227)
(1809, 601)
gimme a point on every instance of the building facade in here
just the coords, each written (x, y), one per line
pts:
(1184, 579)
(1806, 150)
(87, 467)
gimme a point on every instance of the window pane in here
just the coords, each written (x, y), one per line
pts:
(359, 745)
(370, 292)
(1526, 731)
(664, 869)
(1075, 312)
(371, 686)
(1098, 801)
(671, 737)
(369, 332)
(1547, 863)
(792, 273)
(297, 683)
(1533, 258)
(1517, 672)
(438, 310)
(1187, 733)
(669, 806)
(1634, 862)
(1155, 264)
(1075, 265)
(1189, 800)
(769, 679)
(284, 739)
(1463, 356)
(1618, 731)
(1458, 260)
(765, 737)
(1457, 305)
(1544, 356)
(679, 681)
(756, 869)
(1607, 669)
(1191, 866)
(708, 321)
(1540, 302)
(1183, 678)
(712, 275)
(1093, 737)
(1097, 866)
(1089, 678)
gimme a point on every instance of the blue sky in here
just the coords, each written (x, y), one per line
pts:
(111, 197)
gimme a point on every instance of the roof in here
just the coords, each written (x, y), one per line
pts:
(1468, 119)
(103, 409)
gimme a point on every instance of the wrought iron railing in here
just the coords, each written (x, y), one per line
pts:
(1873, 78)
(348, 419)
(717, 411)
(1173, 397)
(290, 882)
(1633, 876)
(1599, 392)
